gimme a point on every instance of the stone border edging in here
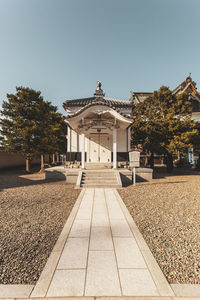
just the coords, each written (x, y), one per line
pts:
(110, 298)
(186, 290)
(8, 291)
(163, 286)
(119, 178)
(44, 280)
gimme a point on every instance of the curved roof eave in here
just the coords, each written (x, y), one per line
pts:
(88, 108)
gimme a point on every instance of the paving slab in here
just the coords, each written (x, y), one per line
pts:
(138, 298)
(137, 282)
(67, 283)
(102, 275)
(128, 254)
(101, 239)
(120, 228)
(99, 219)
(114, 208)
(80, 228)
(85, 211)
(74, 255)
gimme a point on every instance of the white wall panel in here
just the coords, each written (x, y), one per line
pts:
(73, 141)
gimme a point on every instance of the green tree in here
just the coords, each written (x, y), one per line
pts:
(18, 123)
(29, 125)
(162, 124)
(52, 131)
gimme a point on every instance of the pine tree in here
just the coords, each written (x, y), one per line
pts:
(52, 131)
(30, 125)
(19, 124)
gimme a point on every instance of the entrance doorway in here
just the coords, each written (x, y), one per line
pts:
(99, 148)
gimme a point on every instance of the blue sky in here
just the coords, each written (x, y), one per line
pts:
(62, 47)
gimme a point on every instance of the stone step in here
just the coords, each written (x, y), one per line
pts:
(100, 185)
(99, 182)
(99, 178)
(99, 174)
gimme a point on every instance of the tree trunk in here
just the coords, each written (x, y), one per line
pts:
(146, 160)
(169, 162)
(27, 165)
(42, 163)
(151, 160)
(53, 159)
(57, 158)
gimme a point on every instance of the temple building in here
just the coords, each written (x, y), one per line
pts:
(99, 127)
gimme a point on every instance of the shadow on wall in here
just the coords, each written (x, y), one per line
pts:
(127, 179)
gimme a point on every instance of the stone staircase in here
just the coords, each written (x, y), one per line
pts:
(101, 179)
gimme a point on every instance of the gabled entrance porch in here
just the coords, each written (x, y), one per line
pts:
(98, 126)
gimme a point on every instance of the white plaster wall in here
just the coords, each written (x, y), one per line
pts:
(80, 143)
(74, 141)
(121, 140)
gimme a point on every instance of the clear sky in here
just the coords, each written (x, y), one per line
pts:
(62, 47)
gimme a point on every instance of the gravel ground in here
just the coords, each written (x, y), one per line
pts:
(32, 215)
(167, 213)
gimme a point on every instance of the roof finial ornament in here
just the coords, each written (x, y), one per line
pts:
(98, 85)
(99, 92)
(189, 79)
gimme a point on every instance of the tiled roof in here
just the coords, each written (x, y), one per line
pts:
(137, 97)
(92, 100)
(185, 85)
(99, 101)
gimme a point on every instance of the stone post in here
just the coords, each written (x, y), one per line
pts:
(114, 148)
(83, 149)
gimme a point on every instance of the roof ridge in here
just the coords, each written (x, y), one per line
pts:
(115, 99)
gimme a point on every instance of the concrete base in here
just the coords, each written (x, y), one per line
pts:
(71, 175)
(62, 173)
(55, 173)
(142, 174)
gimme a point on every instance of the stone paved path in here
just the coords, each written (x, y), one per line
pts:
(101, 256)
(100, 252)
